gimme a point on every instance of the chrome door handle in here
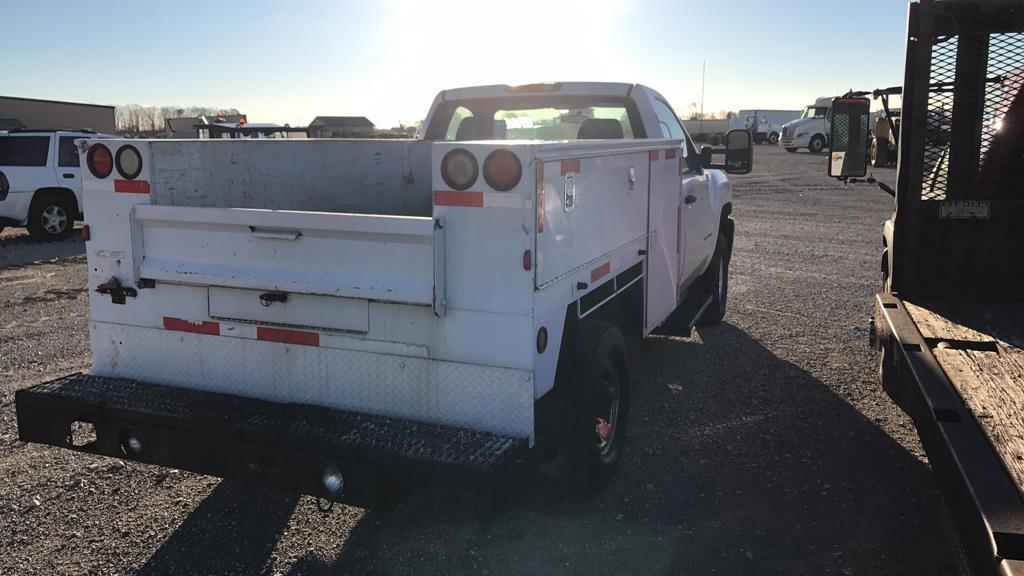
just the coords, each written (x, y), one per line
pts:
(690, 199)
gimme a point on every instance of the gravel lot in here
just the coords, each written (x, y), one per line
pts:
(763, 445)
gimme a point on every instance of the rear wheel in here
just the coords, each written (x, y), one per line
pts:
(879, 152)
(773, 138)
(602, 403)
(817, 144)
(51, 217)
(717, 278)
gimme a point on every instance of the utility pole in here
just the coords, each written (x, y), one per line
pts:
(703, 70)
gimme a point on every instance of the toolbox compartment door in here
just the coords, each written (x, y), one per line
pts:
(355, 256)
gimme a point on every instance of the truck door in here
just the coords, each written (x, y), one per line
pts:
(697, 217)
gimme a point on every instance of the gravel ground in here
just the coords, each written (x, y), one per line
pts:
(763, 445)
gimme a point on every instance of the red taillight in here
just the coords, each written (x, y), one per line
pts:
(459, 169)
(527, 260)
(542, 340)
(502, 170)
(85, 233)
(100, 161)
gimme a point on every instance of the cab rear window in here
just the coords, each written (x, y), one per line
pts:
(24, 150)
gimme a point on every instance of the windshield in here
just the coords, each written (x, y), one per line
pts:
(815, 112)
(536, 118)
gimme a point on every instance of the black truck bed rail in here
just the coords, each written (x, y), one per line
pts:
(983, 500)
(284, 446)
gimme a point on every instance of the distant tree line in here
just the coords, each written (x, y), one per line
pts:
(147, 121)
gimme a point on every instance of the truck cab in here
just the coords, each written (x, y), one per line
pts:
(810, 130)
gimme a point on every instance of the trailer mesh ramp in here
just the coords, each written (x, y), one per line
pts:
(272, 423)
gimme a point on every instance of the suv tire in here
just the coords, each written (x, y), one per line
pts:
(51, 217)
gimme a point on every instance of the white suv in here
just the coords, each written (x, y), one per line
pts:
(40, 181)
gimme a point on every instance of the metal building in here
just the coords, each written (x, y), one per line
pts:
(33, 113)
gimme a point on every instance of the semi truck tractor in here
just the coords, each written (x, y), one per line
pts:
(352, 319)
(810, 130)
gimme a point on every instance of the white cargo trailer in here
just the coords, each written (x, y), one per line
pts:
(349, 319)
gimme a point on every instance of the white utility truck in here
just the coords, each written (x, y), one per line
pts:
(810, 130)
(352, 318)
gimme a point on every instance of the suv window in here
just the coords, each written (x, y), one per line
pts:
(67, 155)
(24, 150)
(669, 122)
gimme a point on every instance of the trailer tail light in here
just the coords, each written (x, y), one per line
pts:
(86, 235)
(128, 162)
(5, 187)
(502, 170)
(459, 169)
(100, 161)
(542, 340)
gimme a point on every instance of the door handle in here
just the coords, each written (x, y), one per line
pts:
(690, 199)
(68, 175)
(275, 234)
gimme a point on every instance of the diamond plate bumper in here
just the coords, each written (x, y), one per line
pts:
(283, 446)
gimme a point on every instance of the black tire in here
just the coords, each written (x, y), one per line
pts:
(879, 153)
(602, 403)
(773, 138)
(51, 217)
(717, 279)
(817, 144)
(791, 150)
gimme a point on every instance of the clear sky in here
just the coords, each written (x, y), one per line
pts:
(288, 61)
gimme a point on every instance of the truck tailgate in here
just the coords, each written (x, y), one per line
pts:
(373, 257)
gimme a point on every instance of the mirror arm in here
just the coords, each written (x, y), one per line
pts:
(869, 180)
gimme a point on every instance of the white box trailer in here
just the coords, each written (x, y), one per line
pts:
(349, 318)
(768, 123)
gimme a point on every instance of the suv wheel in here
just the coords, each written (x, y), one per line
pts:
(51, 217)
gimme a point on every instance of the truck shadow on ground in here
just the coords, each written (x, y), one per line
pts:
(738, 462)
(17, 249)
(233, 530)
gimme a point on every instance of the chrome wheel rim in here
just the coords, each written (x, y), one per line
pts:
(607, 418)
(54, 219)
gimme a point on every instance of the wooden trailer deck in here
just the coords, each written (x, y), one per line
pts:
(979, 346)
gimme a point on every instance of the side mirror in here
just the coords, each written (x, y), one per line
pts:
(705, 157)
(848, 156)
(739, 152)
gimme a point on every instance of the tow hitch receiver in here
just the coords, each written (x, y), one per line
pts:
(116, 292)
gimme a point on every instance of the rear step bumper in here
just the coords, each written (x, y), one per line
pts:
(282, 446)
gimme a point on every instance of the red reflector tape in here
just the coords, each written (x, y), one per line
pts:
(132, 186)
(570, 167)
(600, 272)
(654, 155)
(209, 328)
(287, 336)
(455, 198)
(670, 154)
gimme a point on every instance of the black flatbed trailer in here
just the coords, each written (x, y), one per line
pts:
(949, 321)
